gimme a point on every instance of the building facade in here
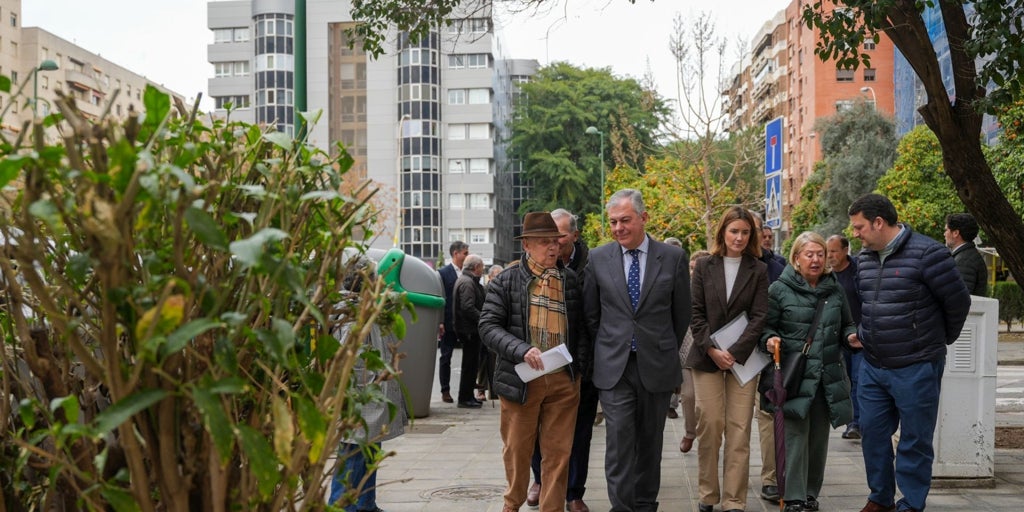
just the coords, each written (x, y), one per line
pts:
(782, 77)
(40, 63)
(425, 122)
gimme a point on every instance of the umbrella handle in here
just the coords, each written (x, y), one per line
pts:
(777, 354)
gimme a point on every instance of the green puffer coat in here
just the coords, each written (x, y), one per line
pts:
(791, 305)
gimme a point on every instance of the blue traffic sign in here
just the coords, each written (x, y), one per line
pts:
(773, 146)
(773, 200)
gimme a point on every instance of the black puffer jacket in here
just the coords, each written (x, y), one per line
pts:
(913, 305)
(503, 326)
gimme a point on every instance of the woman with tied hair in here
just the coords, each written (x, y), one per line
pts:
(824, 395)
(728, 283)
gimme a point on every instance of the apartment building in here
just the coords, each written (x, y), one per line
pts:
(782, 77)
(40, 63)
(425, 121)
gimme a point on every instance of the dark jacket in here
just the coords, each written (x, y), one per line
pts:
(503, 326)
(775, 262)
(913, 305)
(448, 277)
(973, 270)
(711, 310)
(467, 297)
(848, 280)
(791, 306)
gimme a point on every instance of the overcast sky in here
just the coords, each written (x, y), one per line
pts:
(166, 40)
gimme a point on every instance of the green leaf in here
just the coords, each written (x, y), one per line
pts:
(206, 229)
(180, 337)
(127, 407)
(27, 412)
(10, 166)
(313, 427)
(121, 500)
(281, 140)
(227, 386)
(69, 404)
(5, 83)
(249, 251)
(157, 103)
(215, 421)
(261, 458)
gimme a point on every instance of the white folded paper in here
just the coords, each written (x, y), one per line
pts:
(727, 336)
(553, 359)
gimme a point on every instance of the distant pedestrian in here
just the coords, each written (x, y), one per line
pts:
(776, 263)
(844, 268)
(447, 338)
(687, 394)
(468, 298)
(530, 308)
(485, 372)
(961, 230)
(915, 304)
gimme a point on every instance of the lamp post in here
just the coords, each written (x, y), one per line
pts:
(591, 130)
(46, 65)
(874, 99)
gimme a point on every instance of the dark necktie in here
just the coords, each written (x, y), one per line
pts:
(633, 285)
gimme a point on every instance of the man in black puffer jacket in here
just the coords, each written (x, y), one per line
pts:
(530, 308)
(913, 305)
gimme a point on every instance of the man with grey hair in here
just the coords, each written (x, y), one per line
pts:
(637, 305)
(468, 298)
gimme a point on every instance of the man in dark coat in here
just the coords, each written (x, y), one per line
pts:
(637, 304)
(845, 269)
(961, 230)
(914, 305)
(573, 254)
(449, 273)
(468, 298)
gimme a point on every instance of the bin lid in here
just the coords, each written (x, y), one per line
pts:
(390, 267)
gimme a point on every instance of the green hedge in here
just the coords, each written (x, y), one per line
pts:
(1011, 301)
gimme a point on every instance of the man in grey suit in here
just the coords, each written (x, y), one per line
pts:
(637, 306)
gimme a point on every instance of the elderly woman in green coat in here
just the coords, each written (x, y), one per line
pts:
(823, 398)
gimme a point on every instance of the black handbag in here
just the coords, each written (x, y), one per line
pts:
(792, 364)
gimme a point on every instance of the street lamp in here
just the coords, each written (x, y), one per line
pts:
(46, 65)
(591, 130)
(874, 99)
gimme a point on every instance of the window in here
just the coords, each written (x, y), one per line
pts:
(456, 236)
(869, 45)
(241, 34)
(241, 68)
(220, 69)
(14, 19)
(478, 236)
(14, 48)
(478, 25)
(869, 75)
(844, 105)
(456, 201)
(479, 166)
(14, 78)
(457, 97)
(456, 61)
(470, 60)
(479, 201)
(44, 83)
(456, 132)
(456, 166)
(479, 131)
(222, 35)
(479, 96)
(844, 75)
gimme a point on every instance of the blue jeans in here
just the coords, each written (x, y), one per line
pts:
(350, 474)
(907, 398)
(853, 364)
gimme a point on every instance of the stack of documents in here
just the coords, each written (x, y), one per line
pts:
(727, 336)
(553, 359)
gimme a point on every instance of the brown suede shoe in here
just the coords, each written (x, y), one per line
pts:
(533, 496)
(577, 506)
(446, 397)
(875, 507)
(686, 444)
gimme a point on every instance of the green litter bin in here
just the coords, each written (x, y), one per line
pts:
(422, 285)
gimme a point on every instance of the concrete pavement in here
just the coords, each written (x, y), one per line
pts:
(451, 461)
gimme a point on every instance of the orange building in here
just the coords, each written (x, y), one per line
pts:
(783, 77)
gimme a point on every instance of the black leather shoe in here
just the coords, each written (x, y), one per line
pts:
(811, 504)
(705, 508)
(469, 404)
(770, 492)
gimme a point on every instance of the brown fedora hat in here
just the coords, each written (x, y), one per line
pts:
(538, 225)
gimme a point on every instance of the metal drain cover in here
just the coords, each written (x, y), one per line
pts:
(465, 493)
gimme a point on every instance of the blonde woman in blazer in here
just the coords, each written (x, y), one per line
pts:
(729, 282)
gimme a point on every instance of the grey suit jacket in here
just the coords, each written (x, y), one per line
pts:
(711, 310)
(659, 323)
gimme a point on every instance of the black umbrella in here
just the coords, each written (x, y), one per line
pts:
(777, 396)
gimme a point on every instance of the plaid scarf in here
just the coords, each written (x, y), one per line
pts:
(547, 321)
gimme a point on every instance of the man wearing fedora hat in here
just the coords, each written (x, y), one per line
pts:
(530, 308)
(637, 303)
